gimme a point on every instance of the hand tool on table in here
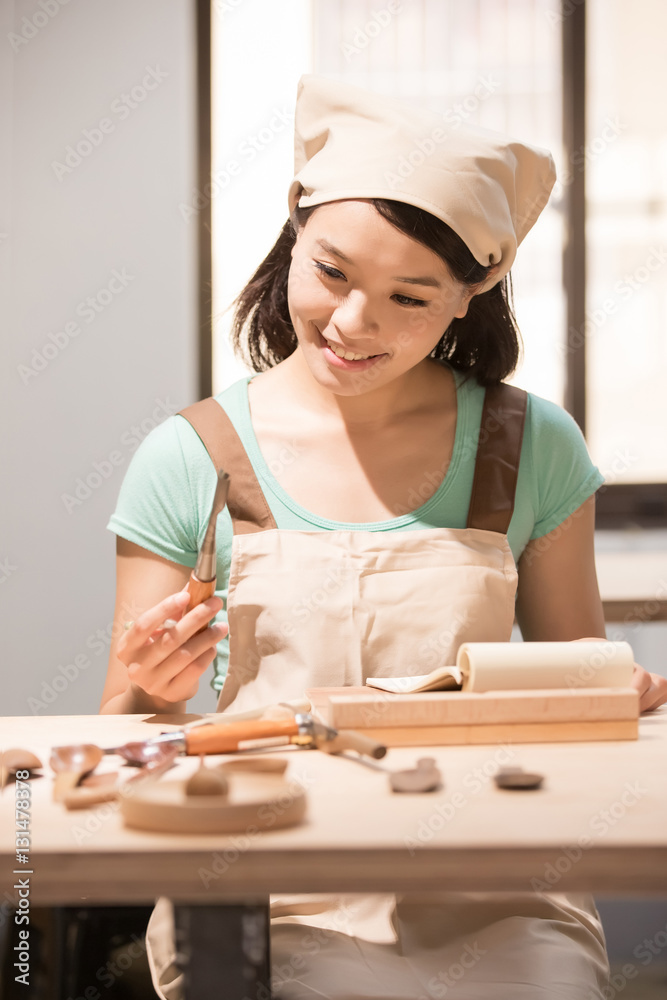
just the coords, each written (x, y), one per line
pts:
(201, 584)
(425, 776)
(70, 763)
(302, 730)
(84, 797)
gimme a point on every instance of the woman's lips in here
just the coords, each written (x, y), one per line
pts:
(343, 363)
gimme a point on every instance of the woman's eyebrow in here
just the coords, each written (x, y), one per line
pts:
(330, 248)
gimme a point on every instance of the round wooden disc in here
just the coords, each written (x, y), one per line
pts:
(255, 801)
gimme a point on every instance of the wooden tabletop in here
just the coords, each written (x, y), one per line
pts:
(598, 824)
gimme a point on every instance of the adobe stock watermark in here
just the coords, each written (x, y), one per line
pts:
(114, 969)
(453, 117)
(643, 611)
(93, 819)
(621, 463)
(440, 985)
(102, 469)
(624, 288)
(434, 651)
(271, 641)
(578, 158)
(365, 33)
(599, 824)
(590, 665)
(222, 7)
(7, 569)
(88, 310)
(445, 811)
(267, 816)
(121, 108)
(312, 942)
(32, 25)
(67, 674)
(247, 151)
(645, 952)
(590, 151)
(557, 15)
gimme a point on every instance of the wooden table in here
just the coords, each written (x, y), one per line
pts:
(599, 824)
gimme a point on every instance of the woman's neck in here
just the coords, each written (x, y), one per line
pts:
(426, 385)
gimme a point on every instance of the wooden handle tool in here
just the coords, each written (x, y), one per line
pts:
(348, 739)
(201, 584)
(233, 736)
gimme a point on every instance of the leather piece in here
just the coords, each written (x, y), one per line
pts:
(498, 455)
(246, 504)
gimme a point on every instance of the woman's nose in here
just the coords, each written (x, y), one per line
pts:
(355, 315)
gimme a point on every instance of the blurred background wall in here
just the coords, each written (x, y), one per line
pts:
(98, 284)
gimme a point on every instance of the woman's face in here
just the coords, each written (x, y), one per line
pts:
(359, 321)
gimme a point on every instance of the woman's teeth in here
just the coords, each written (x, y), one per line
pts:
(347, 355)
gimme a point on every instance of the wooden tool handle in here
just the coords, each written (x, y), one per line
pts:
(226, 739)
(348, 739)
(199, 591)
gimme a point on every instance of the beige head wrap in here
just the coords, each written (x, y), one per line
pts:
(351, 143)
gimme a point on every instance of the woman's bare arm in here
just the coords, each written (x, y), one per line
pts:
(558, 597)
(152, 669)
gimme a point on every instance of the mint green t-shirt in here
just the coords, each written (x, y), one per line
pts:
(165, 499)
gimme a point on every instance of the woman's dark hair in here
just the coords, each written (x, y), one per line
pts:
(484, 343)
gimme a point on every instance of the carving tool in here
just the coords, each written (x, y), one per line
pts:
(201, 584)
(302, 730)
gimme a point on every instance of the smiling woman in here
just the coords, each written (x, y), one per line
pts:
(485, 344)
(331, 570)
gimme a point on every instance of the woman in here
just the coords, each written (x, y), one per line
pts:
(386, 487)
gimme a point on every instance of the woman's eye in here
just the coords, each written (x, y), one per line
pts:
(410, 302)
(330, 272)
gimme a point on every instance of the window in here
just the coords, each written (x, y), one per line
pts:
(585, 80)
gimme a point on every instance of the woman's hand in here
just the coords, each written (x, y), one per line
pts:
(652, 688)
(166, 660)
(558, 597)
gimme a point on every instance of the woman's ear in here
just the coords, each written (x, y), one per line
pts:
(473, 290)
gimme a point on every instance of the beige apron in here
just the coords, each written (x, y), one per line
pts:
(330, 608)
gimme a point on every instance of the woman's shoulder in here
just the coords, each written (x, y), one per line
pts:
(549, 423)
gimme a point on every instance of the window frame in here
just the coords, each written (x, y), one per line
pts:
(620, 505)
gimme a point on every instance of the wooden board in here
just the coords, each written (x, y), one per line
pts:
(451, 717)
(542, 732)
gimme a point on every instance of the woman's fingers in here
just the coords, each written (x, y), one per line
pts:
(652, 688)
(166, 649)
(153, 621)
(156, 677)
(141, 630)
(185, 684)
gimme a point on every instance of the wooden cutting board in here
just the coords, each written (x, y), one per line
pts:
(458, 717)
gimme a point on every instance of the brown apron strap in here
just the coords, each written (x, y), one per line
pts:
(246, 503)
(498, 454)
